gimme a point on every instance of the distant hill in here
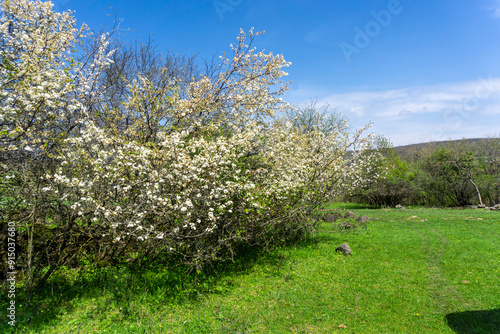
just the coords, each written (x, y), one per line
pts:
(409, 150)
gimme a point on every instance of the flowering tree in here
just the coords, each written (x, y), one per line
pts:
(200, 168)
(311, 116)
(43, 92)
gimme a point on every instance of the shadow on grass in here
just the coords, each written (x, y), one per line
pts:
(475, 322)
(94, 291)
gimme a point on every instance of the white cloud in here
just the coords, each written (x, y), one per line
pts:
(494, 7)
(423, 113)
(324, 31)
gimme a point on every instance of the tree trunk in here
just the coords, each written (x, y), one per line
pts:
(477, 190)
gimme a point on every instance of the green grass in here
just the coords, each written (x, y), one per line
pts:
(412, 271)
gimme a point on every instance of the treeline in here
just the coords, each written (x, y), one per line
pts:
(451, 173)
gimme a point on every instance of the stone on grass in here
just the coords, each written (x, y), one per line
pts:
(363, 219)
(344, 248)
(330, 217)
(349, 214)
(346, 226)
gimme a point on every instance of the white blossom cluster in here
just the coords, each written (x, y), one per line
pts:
(35, 75)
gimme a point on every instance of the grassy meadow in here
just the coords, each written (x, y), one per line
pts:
(418, 270)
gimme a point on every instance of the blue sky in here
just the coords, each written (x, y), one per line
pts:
(419, 70)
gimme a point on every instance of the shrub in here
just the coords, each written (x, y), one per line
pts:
(192, 171)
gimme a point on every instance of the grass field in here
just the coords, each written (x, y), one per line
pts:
(411, 271)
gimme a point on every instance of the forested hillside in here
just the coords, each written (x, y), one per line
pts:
(448, 173)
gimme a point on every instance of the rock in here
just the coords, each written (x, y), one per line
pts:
(363, 219)
(329, 217)
(400, 207)
(497, 206)
(344, 248)
(345, 225)
(481, 206)
(349, 214)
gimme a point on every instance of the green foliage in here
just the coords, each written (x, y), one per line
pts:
(395, 185)
(446, 184)
(457, 173)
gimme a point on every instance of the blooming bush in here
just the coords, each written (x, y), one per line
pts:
(194, 171)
